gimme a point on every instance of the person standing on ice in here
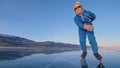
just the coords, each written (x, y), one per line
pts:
(83, 20)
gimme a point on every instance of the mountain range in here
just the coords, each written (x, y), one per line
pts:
(15, 41)
(14, 47)
(9, 40)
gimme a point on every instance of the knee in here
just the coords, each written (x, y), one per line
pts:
(82, 40)
(82, 43)
(92, 41)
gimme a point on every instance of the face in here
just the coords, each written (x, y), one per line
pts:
(79, 10)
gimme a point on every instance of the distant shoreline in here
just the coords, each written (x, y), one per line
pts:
(39, 49)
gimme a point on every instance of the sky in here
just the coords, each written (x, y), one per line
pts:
(53, 20)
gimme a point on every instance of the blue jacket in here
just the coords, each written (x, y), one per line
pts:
(86, 17)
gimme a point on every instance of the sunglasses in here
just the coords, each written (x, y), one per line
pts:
(78, 7)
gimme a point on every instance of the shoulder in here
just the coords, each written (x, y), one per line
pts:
(89, 12)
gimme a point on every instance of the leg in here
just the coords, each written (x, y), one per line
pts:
(92, 41)
(94, 46)
(82, 40)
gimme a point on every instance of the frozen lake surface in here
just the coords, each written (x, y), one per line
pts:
(63, 60)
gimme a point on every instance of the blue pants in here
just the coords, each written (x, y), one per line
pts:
(82, 39)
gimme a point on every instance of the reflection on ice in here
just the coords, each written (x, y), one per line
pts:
(58, 60)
